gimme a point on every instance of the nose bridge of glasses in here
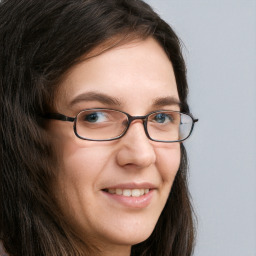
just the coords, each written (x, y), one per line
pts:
(133, 118)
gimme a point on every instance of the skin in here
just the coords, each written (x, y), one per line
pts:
(135, 74)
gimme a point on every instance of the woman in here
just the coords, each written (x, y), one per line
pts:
(94, 112)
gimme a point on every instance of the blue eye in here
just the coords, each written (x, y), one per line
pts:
(162, 118)
(95, 117)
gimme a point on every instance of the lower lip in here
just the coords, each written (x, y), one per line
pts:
(130, 201)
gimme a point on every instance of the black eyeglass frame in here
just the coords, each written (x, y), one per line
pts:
(61, 117)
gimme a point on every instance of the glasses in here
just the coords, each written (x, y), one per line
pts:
(100, 124)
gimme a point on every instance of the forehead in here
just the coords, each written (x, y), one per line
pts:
(133, 73)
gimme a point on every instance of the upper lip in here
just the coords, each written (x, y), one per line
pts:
(132, 185)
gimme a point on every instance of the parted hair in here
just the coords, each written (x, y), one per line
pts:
(40, 40)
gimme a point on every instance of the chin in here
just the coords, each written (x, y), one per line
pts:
(132, 235)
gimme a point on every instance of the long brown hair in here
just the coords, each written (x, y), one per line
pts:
(40, 40)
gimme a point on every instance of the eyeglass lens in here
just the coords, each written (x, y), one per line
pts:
(108, 124)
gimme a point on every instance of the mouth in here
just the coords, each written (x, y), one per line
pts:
(131, 195)
(128, 192)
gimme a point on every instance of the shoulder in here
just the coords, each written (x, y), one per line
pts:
(2, 251)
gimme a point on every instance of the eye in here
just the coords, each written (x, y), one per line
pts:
(163, 118)
(95, 117)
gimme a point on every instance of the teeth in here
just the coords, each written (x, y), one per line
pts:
(112, 191)
(119, 191)
(136, 192)
(128, 192)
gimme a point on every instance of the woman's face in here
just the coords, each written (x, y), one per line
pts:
(136, 78)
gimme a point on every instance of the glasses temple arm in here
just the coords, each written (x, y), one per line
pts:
(58, 116)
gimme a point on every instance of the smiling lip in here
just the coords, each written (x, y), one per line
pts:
(139, 201)
(132, 185)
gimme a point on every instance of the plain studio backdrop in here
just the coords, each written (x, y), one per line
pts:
(220, 52)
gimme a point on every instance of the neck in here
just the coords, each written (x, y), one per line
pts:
(116, 251)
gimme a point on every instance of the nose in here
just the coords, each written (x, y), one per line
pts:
(135, 148)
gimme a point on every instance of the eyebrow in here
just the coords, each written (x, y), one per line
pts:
(110, 100)
(96, 96)
(166, 101)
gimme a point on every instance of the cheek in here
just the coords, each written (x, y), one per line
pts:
(81, 165)
(168, 161)
(83, 161)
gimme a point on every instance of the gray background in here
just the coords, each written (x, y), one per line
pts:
(220, 40)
